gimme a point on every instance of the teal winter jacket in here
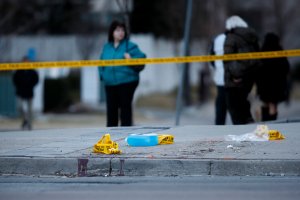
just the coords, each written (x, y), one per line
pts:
(116, 75)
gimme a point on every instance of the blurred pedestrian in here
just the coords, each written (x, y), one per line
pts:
(24, 81)
(120, 81)
(272, 83)
(240, 74)
(217, 48)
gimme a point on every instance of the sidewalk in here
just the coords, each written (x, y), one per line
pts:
(194, 115)
(198, 150)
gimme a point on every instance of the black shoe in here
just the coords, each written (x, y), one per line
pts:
(273, 117)
(265, 116)
(24, 125)
(29, 126)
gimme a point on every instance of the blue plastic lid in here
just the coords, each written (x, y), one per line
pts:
(142, 140)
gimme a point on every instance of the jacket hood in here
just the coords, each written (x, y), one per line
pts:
(235, 22)
(246, 33)
(271, 42)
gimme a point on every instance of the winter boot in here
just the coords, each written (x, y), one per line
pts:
(273, 117)
(265, 116)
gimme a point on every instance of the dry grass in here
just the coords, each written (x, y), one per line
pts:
(158, 100)
(168, 100)
(295, 94)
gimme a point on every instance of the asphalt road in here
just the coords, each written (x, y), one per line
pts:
(125, 188)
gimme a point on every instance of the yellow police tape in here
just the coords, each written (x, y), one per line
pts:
(141, 61)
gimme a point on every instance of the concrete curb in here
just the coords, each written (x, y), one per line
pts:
(148, 167)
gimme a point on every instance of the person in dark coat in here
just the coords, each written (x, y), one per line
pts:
(272, 84)
(240, 74)
(24, 81)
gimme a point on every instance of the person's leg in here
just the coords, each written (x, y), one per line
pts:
(265, 113)
(21, 109)
(273, 111)
(127, 93)
(269, 112)
(246, 108)
(221, 107)
(273, 116)
(29, 113)
(112, 106)
(238, 106)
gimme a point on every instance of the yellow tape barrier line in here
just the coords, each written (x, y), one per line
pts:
(187, 59)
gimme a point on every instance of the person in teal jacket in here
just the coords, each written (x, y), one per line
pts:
(120, 81)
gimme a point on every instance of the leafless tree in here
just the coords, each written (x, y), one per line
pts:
(286, 15)
(5, 46)
(125, 8)
(86, 45)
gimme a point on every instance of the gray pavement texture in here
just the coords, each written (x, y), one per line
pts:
(197, 150)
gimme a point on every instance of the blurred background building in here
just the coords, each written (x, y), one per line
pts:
(77, 29)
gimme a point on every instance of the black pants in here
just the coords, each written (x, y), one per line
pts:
(265, 114)
(221, 107)
(119, 103)
(238, 105)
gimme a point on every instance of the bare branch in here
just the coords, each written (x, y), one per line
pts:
(86, 45)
